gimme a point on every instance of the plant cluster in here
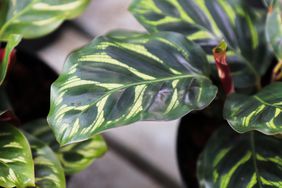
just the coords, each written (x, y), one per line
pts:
(194, 53)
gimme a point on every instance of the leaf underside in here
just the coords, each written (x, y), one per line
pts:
(125, 77)
(247, 160)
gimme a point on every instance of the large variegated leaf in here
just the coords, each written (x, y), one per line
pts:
(12, 42)
(249, 160)
(121, 78)
(207, 22)
(74, 157)
(262, 112)
(16, 165)
(274, 28)
(48, 170)
(34, 18)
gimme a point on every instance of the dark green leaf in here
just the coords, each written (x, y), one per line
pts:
(249, 160)
(274, 29)
(120, 78)
(207, 22)
(74, 157)
(260, 112)
(34, 18)
(16, 165)
(48, 170)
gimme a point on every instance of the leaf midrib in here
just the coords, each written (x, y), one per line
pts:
(110, 92)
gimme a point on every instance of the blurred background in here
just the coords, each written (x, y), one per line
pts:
(142, 155)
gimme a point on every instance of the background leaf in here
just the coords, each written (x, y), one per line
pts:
(35, 18)
(249, 160)
(260, 112)
(74, 157)
(274, 29)
(16, 165)
(48, 170)
(120, 78)
(207, 23)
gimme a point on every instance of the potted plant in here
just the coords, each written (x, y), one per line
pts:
(182, 65)
(197, 55)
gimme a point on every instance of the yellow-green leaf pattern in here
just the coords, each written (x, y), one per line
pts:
(207, 22)
(74, 157)
(16, 165)
(48, 170)
(125, 77)
(261, 112)
(34, 18)
(251, 160)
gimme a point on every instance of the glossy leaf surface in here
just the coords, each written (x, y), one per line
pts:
(74, 157)
(248, 160)
(125, 77)
(261, 112)
(48, 170)
(207, 23)
(16, 165)
(274, 28)
(34, 18)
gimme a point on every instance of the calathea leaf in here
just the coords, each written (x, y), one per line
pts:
(7, 55)
(34, 18)
(207, 23)
(120, 78)
(77, 157)
(48, 170)
(247, 160)
(74, 157)
(16, 165)
(274, 28)
(261, 112)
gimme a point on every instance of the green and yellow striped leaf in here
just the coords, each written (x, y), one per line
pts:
(274, 28)
(261, 112)
(207, 22)
(74, 157)
(77, 157)
(48, 170)
(35, 18)
(16, 165)
(248, 160)
(12, 42)
(122, 78)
